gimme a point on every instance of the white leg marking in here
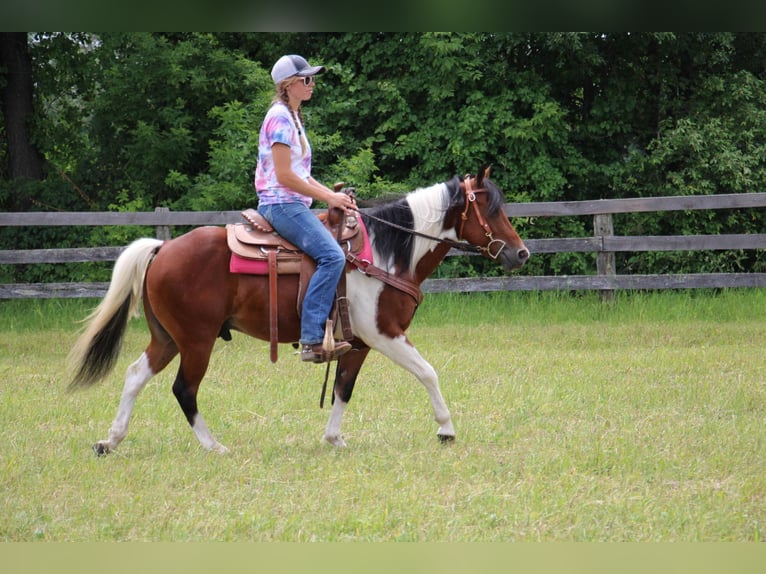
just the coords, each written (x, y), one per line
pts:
(408, 357)
(364, 293)
(205, 437)
(332, 432)
(136, 377)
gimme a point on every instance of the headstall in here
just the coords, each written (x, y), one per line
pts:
(470, 200)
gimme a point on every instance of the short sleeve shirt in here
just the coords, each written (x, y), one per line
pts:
(279, 128)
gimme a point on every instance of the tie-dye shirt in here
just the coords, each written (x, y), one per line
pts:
(279, 127)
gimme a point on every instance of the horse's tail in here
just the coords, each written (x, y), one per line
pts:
(96, 350)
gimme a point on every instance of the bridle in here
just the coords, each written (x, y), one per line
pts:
(470, 200)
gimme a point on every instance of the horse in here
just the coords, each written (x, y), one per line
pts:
(190, 298)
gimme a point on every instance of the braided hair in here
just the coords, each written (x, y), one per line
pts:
(282, 96)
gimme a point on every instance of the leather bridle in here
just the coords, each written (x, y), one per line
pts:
(470, 200)
(462, 245)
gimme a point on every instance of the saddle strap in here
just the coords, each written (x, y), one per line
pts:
(403, 285)
(273, 306)
(341, 303)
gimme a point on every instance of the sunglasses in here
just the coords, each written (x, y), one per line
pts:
(308, 80)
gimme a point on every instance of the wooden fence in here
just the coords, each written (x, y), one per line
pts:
(604, 243)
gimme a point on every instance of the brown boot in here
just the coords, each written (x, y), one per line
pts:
(316, 354)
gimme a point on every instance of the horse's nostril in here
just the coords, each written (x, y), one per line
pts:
(522, 254)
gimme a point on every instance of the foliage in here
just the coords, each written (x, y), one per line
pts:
(131, 121)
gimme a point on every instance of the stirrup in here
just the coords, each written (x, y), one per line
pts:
(318, 354)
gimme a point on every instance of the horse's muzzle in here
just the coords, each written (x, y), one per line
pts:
(513, 259)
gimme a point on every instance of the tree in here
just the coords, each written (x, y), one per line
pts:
(135, 120)
(23, 158)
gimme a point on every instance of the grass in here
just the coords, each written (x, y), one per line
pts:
(636, 421)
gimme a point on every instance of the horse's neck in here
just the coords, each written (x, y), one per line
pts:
(428, 263)
(428, 208)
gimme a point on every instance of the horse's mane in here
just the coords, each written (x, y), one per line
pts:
(396, 245)
(392, 244)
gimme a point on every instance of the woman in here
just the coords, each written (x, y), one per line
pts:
(285, 192)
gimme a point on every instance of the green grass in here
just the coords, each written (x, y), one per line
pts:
(642, 420)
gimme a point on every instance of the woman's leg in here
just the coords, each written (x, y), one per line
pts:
(296, 223)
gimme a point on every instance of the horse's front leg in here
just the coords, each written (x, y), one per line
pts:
(401, 351)
(345, 377)
(332, 432)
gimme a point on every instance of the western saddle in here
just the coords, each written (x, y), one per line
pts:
(258, 242)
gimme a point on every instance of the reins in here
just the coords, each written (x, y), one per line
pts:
(462, 245)
(470, 199)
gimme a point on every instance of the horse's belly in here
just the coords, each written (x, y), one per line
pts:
(251, 308)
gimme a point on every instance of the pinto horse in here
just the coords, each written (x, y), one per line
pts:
(190, 298)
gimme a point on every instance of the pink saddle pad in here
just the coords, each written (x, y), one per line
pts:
(239, 264)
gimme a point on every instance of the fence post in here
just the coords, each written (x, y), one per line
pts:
(162, 231)
(603, 226)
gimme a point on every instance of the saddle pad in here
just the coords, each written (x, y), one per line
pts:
(366, 253)
(238, 264)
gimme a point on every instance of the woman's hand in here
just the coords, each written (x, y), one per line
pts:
(340, 200)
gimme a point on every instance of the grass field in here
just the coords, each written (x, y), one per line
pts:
(576, 421)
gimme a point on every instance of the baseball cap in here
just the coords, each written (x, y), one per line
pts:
(293, 65)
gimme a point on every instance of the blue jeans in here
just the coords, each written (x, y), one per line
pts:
(296, 223)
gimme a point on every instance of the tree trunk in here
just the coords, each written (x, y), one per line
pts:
(23, 158)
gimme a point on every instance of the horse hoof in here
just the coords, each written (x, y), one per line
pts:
(100, 449)
(446, 438)
(336, 441)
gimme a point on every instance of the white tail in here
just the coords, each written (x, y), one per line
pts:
(97, 347)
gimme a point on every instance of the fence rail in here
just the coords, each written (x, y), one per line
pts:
(604, 243)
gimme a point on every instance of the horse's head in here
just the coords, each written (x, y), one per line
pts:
(482, 222)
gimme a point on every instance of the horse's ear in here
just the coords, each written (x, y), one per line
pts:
(482, 174)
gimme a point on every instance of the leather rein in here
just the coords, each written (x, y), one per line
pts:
(470, 200)
(411, 288)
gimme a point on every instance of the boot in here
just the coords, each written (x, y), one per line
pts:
(317, 354)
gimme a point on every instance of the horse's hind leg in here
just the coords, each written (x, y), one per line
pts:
(194, 362)
(152, 360)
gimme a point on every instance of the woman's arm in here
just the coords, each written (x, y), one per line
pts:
(311, 188)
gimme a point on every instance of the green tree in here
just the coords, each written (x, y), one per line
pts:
(16, 101)
(135, 120)
(152, 118)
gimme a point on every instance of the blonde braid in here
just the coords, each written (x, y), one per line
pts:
(283, 97)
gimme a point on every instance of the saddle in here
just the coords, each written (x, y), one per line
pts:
(256, 240)
(258, 249)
